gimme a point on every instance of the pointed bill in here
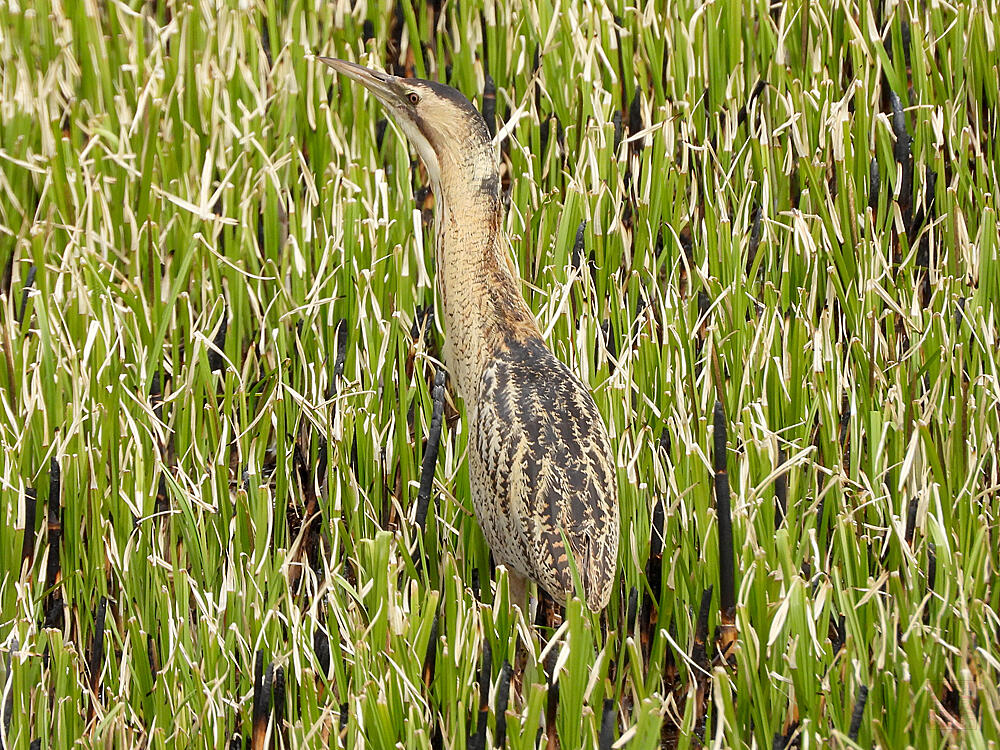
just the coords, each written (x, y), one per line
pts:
(380, 84)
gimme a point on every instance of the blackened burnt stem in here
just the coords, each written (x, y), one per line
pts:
(552, 701)
(216, 353)
(338, 367)
(321, 647)
(874, 185)
(755, 233)
(478, 740)
(654, 570)
(783, 740)
(7, 277)
(280, 726)
(490, 105)
(578, 247)
(261, 701)
(162, 500)
(654, 563)
(500, 704)
(858, 713)
(484, 29)
(631, 610)
(654, 576)
(701, 627)
(904, 157)
(54, 606)
(727, 591)
(156, 395)
(758, 89)
(911, 520)
(607, 736)
(431, 450)
(97, 650)
(28, 543)
(153, 657)
(28, 282)
(536, 66)
(430, 655)
(8, 704)
(780, 492)
(635, 112)
(845, 434)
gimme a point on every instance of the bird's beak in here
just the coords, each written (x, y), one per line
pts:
(380, 84)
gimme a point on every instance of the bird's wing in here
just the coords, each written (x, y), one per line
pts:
(547, 475)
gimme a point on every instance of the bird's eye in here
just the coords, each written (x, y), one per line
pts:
(413, 97)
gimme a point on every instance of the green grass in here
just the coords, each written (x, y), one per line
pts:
(172, 170)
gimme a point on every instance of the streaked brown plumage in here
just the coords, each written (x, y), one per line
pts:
(540, 463)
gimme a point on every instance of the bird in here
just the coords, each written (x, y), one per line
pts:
(541, 470)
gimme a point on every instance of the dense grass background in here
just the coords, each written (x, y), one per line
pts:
(217, 364)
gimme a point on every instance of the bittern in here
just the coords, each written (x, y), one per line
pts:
(540, 462)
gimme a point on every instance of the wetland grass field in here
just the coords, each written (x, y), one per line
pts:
(765, 235)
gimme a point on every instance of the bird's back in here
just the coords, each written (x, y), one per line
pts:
(542, 473)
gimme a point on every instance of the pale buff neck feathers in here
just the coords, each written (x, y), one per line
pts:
(480, 292)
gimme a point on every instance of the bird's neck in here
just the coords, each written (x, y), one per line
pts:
(479, 287)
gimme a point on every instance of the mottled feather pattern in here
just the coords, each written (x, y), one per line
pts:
(542, 473)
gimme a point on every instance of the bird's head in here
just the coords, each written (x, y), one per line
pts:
(448, 132)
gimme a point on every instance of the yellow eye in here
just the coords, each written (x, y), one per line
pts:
(414, 98)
